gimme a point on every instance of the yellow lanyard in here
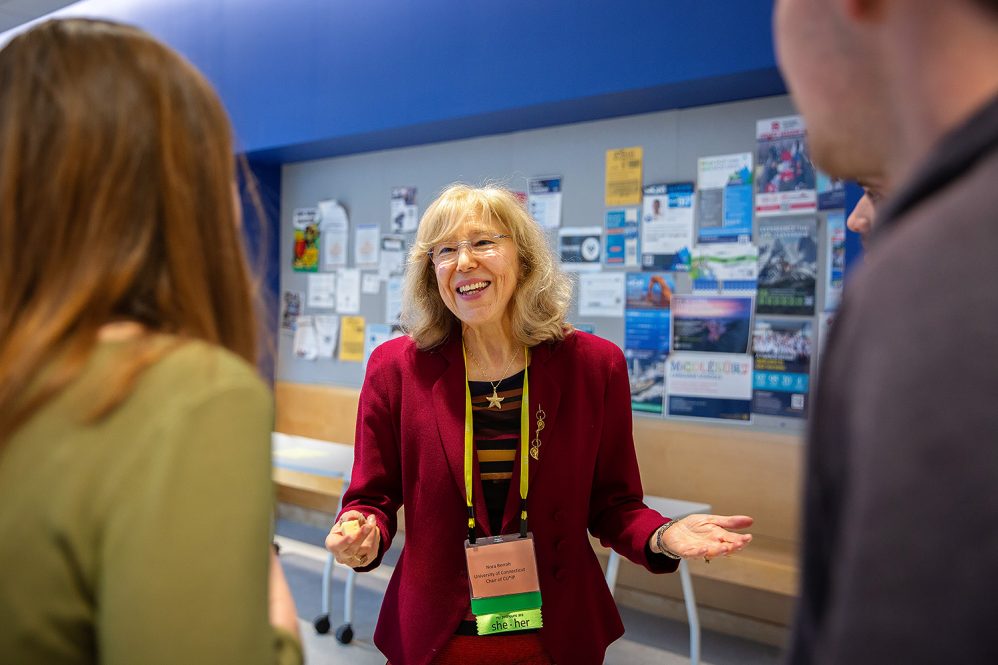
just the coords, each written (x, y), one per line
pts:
(469, 445)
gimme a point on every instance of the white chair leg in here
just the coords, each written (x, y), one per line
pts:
(691, 612)
(348, 599)
(612, 568)
(327, 583)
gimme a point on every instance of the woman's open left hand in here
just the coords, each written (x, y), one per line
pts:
(707, 536)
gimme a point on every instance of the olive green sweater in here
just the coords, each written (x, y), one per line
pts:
(144, 538)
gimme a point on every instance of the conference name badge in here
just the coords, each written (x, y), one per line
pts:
(505, 592)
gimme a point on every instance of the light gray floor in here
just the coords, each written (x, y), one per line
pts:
(649, 640)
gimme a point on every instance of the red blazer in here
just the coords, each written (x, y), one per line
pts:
(410, 451)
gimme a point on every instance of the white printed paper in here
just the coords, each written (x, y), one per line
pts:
(370, 283)
(393, 299)
(348, 291)
(327, 330)
(366, 245)
(392, 255)
(334, 225)
(322, 290)
(306, 342)
(601, 294)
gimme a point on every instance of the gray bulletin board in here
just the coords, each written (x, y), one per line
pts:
(672, 142)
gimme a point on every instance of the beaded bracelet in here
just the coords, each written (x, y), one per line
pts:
(661, 545)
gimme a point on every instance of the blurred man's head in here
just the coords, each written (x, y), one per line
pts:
(827, 63)
(880, 81)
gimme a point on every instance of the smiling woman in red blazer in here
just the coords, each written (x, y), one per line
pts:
(484, 307)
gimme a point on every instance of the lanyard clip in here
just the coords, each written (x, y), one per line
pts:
(523, 518)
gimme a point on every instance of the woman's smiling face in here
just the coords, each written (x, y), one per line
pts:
(478, 273)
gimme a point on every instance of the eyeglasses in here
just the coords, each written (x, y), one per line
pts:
(480, 246)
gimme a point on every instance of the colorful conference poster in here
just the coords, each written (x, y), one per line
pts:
(667, 226)
(724, 198)
(725, 269)
(710, 385)
(781, 379)
(305, 256)
(648, 298)
(711, 324)
(788, 266)
(785, 177)
(835, 259)
(622, 237)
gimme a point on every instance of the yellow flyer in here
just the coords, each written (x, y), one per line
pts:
(623, 176)
(352, 339)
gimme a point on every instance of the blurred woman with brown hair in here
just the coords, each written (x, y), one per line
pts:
(135, 495)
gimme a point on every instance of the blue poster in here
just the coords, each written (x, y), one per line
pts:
(724, 198)
(646, 337)
(622, 237)
(781, 379)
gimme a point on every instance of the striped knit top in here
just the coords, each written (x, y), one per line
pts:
(497, 438)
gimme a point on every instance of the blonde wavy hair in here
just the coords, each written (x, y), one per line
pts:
(543, 292)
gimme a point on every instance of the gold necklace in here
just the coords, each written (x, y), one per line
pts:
(495, 400)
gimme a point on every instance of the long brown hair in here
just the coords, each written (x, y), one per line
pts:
(117, 202)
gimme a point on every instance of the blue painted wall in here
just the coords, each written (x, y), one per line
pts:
(309, 78)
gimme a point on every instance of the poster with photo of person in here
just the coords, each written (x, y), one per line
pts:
(781, 377)
(667, 226)
(788, 266)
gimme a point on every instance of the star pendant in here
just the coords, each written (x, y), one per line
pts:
(495, 400)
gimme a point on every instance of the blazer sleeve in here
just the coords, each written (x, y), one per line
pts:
(376, 481)
(617, 515)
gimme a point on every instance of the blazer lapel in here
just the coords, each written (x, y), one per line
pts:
(449, 406)
(545, 394)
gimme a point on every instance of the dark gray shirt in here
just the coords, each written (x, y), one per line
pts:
(901, 498)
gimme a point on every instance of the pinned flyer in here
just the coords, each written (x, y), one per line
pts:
(623, 176)
(544, 201)
(785, 177)
(352, 339)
